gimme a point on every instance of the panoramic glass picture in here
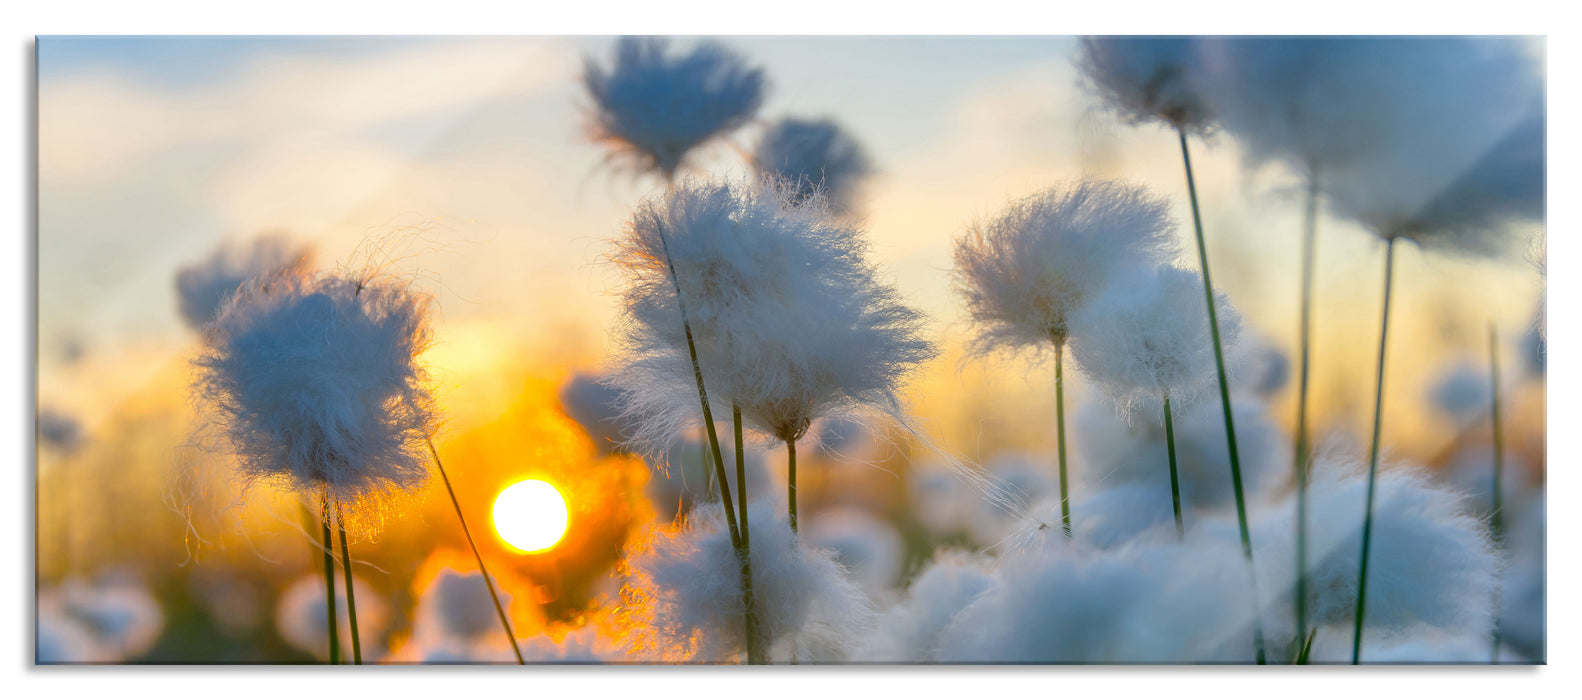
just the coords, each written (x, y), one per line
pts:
(790, 350)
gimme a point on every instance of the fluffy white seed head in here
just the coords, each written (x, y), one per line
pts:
(1025, 272)
(789, 318)
(315, 384)
(203, 287)
(909, 631)
(868, 547)
(1439, 140)
(655, 107)
(683, 475)
(814, 155)
(106, 620)
(458, 606)
(1146, 336)
(1148, 79)
(59, 430)
(1143, 603)
(684, 593)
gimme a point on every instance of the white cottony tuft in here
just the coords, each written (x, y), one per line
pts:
(814, 155)
(1025, 272)
(789, 318)
(869, 548)
(1146, 336)
(315, 384)
(458, 606)
(909, 632)
(685, 597)
(105, 620)
(1439, 140)
(59, 430)
(683, 476)
(203, 287)
(655, 107)
(1154, 78)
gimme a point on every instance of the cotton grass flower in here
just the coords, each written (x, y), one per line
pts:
(684, 594)
(1146, 79)
(868, 548)
(655, 108)
(315, 384)
(1461, 392)
(909, 631)
(791, 321)
(1147, 337)
(814, 155)
(59, 430)
(203, 287)
(1026, 271)
(456, 606)
(105, 620)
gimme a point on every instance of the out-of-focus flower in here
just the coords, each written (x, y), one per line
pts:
(203, 287)
(302, 619)
(814, 155)
(655, 108)
(1154, 78)
(684, 596)
(869, 548)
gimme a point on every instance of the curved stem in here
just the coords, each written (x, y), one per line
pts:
(351, 596)
(1496, 516)
(1302, 456)
(1224, 395)
(1373, 458)
(1175, 479)
(488, 580)
(329, 581)
(1060, 433)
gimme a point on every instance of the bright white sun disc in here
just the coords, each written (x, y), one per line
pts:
(530, 515)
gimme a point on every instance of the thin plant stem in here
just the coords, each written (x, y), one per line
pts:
(1224, 395)
(1060, 432)
(1373, 458)
(754, 650)
(791, 482)
(1303, 448)
(1175, 478)
(351, 597)
(741, 472)
(329, 581)
(1496, 516)
(703, 398)
(488, 580)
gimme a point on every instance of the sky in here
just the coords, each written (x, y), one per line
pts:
(467, 157)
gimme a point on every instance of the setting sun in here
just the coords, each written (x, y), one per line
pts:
(530, 515)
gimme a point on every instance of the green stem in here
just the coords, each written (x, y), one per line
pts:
(1302, 456)
(329, 581)
(754, 650)
(750, 619)
(351, 597)
(1175, 479)
(1224, 395)
(791, 482)
(703, 399)
(1496, 517)
(1060, 432)
(488, 580)
(1373, 458)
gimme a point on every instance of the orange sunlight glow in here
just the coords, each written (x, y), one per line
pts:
(530, 515)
